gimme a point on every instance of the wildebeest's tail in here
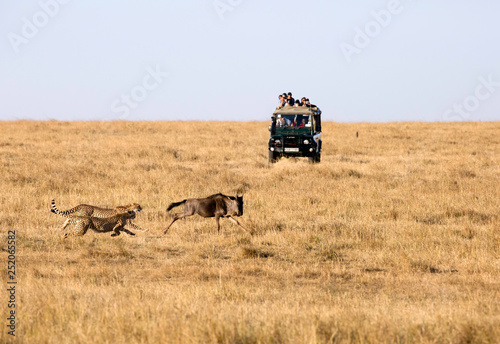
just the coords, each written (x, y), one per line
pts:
(62, 213)
(173, 205)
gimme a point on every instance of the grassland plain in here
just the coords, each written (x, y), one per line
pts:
(393, 237)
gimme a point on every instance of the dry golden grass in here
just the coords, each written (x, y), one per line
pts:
(393, 237)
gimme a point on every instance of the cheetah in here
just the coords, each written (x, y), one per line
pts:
(90, 210)
(115, 224)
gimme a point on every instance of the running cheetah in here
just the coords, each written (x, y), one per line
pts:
(90, 210)
(82, 224)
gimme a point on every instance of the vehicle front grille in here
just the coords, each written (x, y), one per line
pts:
(292, 141)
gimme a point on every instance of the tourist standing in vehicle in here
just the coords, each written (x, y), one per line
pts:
(282, 101)
(309, 104)
(291, 101)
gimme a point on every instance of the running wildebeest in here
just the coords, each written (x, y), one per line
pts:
(217, 206)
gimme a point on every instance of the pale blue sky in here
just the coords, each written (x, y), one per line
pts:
(407, 60)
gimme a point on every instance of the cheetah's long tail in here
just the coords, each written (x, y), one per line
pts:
(59, 212)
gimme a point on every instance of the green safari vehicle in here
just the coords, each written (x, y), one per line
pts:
(295, 132)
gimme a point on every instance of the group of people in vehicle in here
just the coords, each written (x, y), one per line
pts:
(297, 121)
(286, 99)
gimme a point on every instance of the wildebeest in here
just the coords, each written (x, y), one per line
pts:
(217, 206)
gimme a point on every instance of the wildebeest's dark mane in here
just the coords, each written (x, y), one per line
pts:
(221, 195)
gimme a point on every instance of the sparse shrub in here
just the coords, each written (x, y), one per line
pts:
(254, 252)
(330, 253)
(354, 173)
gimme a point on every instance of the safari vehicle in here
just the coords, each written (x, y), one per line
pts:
(295, 132)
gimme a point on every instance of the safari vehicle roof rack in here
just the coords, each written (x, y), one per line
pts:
(289, 110)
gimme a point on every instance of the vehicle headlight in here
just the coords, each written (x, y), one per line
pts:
(306, 142)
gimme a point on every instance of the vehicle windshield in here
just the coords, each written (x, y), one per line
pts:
(293, 123)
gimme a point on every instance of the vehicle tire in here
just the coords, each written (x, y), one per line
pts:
(272, 157)
(315, 158)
